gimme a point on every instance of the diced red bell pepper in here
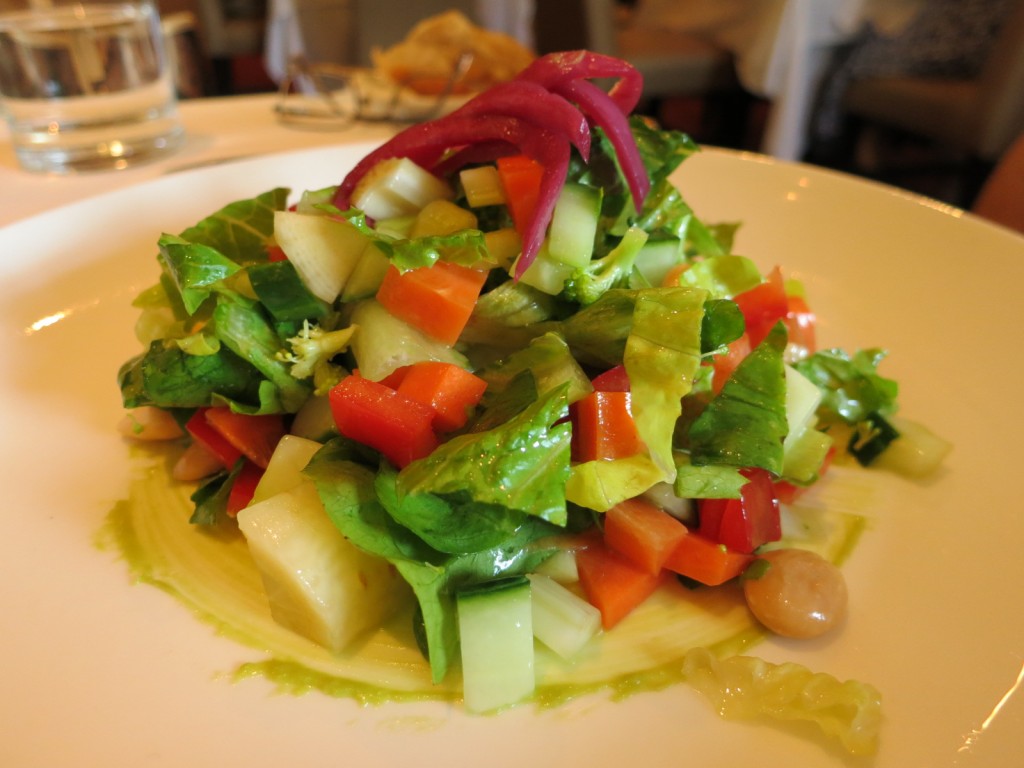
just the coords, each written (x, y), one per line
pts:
(243, 487)
(203, 432)
(437, 300)
(520, 178)
(603, 427)
(743, 524)
(699, 558)
(373, 414)
(642, 532)
(255, 437)
(763, 306)
(613, 380)
(393, 379)
(725, 364)
(800, 322)
(450, 390)
(611, 583)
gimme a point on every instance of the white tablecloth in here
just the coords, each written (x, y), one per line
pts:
(216, 130)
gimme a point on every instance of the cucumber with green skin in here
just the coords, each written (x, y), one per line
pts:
(496, 637)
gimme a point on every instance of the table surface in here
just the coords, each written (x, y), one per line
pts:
(217, 130)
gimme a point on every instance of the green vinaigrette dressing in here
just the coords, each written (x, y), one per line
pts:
(211, 573)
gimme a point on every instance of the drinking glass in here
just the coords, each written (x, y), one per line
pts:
(85, 84)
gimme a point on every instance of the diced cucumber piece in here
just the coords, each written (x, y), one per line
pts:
(561, 567)
(441, 217)
(917, 452)
(318, 583)
(547, 273)
(802, 400)
(804, 454)
(398, 187)
(384, 343)
(314, 420)
(284, 470)
(562, 620)
(574, 224)
(367, 276)
(323, 250)
(482, 186)
(663, 494)
(657, 257)
(805, 447)
(496, 636)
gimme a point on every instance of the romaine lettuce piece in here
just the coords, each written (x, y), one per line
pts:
(745, 424)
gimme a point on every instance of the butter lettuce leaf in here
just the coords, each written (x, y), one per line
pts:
(661, 357)
(722, 276)
(710, 481)
(747, 687)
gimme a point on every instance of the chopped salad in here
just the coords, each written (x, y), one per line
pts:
(505, 371)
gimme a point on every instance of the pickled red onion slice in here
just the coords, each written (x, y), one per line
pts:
(537, 105)
(598, 107)
(576, 65)
(426, 143)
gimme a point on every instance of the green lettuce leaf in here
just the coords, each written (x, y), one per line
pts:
(851, 386)
(455, 523)
(348, 493)
(167, 377)
(722, 276)
(710, 481)
(745, 425)
(723, 323)
(239, 323)
(521, 465)
(600, 485)
(242, 230)
(196, 269)
(548, 359)
(661, 357)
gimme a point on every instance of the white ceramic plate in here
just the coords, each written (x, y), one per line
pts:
(100, 672)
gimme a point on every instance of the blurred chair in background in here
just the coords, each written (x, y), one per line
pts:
(231, 30)
(954, 79)
(673, 63)
(186, 55)
(1001, 198)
